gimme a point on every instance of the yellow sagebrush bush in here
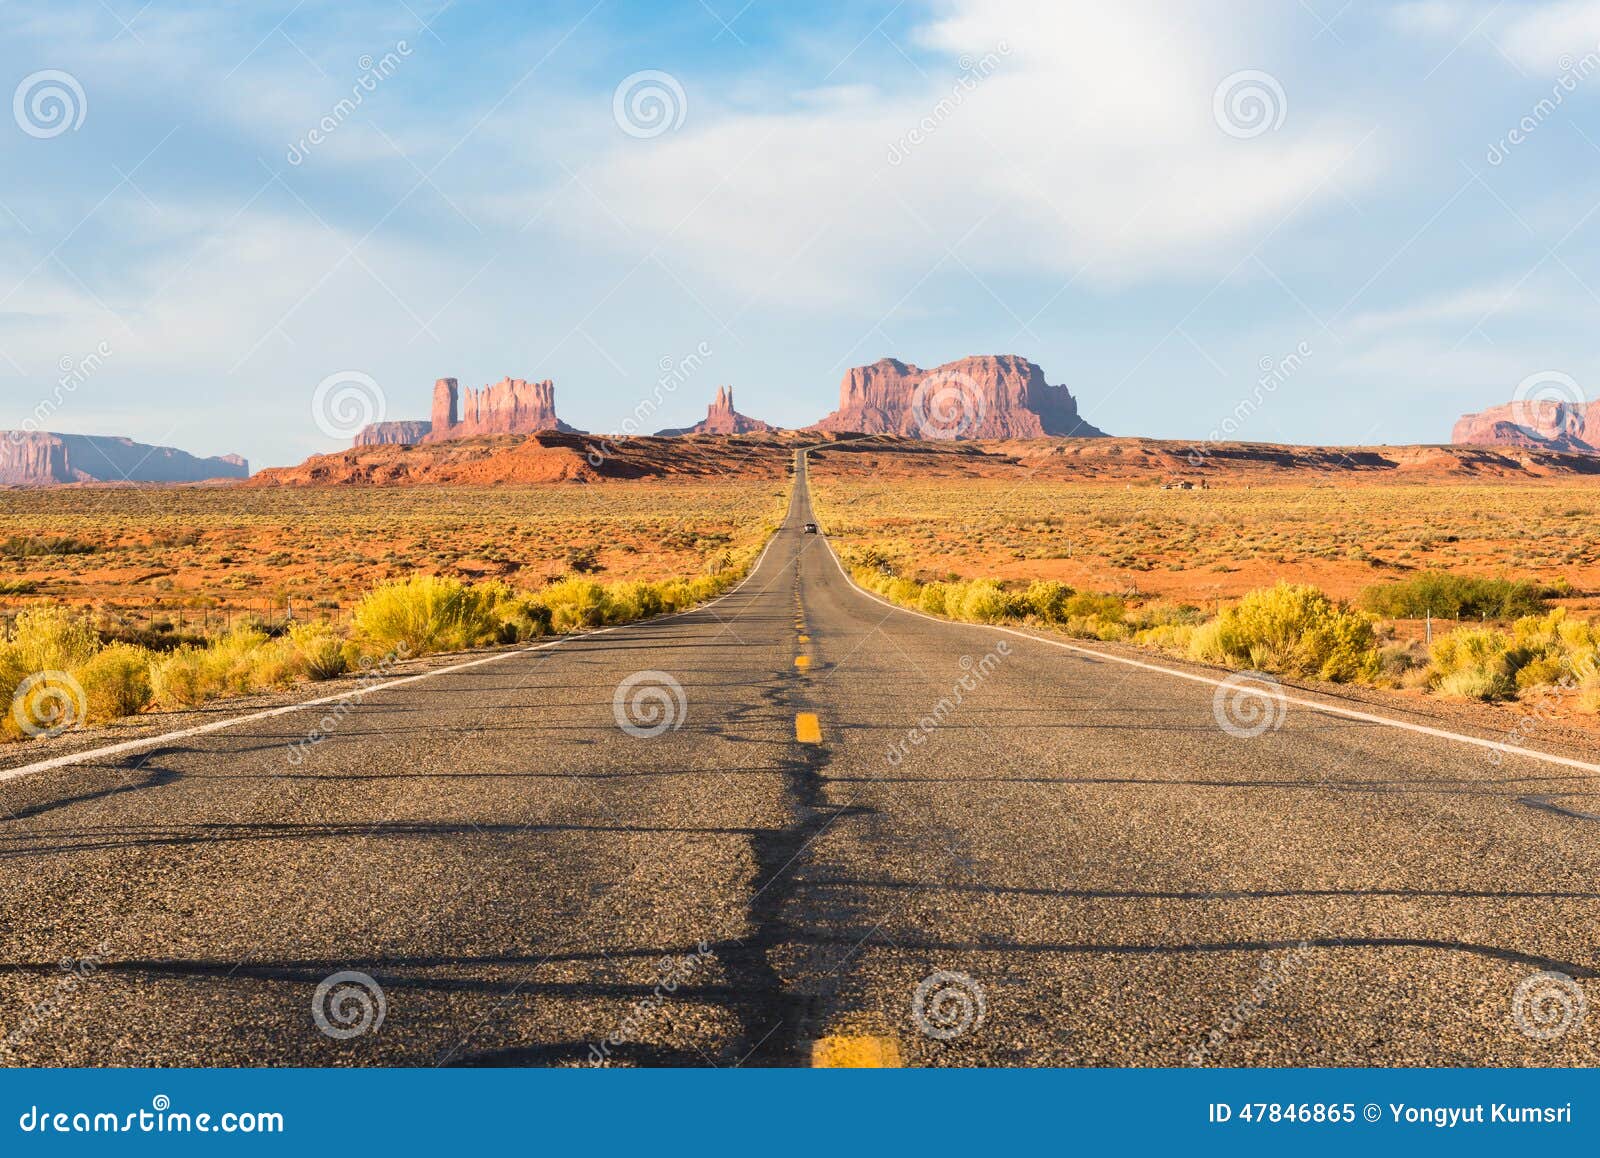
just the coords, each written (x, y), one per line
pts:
(428, 613)
(116, 682)
(1294, 630)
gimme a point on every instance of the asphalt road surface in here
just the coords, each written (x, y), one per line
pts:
(860, 836)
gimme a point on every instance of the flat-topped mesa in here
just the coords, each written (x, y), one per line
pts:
(510, 406)
(41, 458)
(992, 396)
(398, 433)
(1537, 424)
(722, 418)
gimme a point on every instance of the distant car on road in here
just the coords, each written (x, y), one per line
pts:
(810, 528)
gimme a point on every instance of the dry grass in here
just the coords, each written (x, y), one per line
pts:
(1215, 545)
(214, 555)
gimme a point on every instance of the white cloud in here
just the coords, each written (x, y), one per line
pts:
(1088, 148)
(1541, 38)
(1464, 308)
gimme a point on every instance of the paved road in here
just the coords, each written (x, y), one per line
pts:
(1068, 863)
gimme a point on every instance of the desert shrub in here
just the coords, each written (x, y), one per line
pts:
(984, 601)
(931, 600)
(428, 613)
(1450, 596)
(116, 683)
(1089, 605)
(1293, 629)
(49, 639)
(1047, 598)
(574, 604)
(177, 679)
(1475, 663)
(25, 547)
(1166, 636)
(321, 651)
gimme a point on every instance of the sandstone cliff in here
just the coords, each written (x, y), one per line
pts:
(996, 396)
(39, 458)
(722, 418)
(405, 433)
(510, 406)
(1538, 425)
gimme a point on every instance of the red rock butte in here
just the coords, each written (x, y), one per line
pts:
(722, 418)
(993, 396)
(510, 406)
(1534, 424)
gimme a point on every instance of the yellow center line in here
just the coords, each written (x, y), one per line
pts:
(802, 662)
(855, 1051)
(805, 639)
(807, 729)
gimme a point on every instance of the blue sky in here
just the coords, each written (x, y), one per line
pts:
(830, 184)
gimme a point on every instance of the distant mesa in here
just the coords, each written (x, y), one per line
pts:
(405, 433)
(994, 396)
(37, 458)
(1535, 424)
(722, 418)
(510, 406)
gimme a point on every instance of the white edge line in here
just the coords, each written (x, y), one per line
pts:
(361, 693)
(1195, 677)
